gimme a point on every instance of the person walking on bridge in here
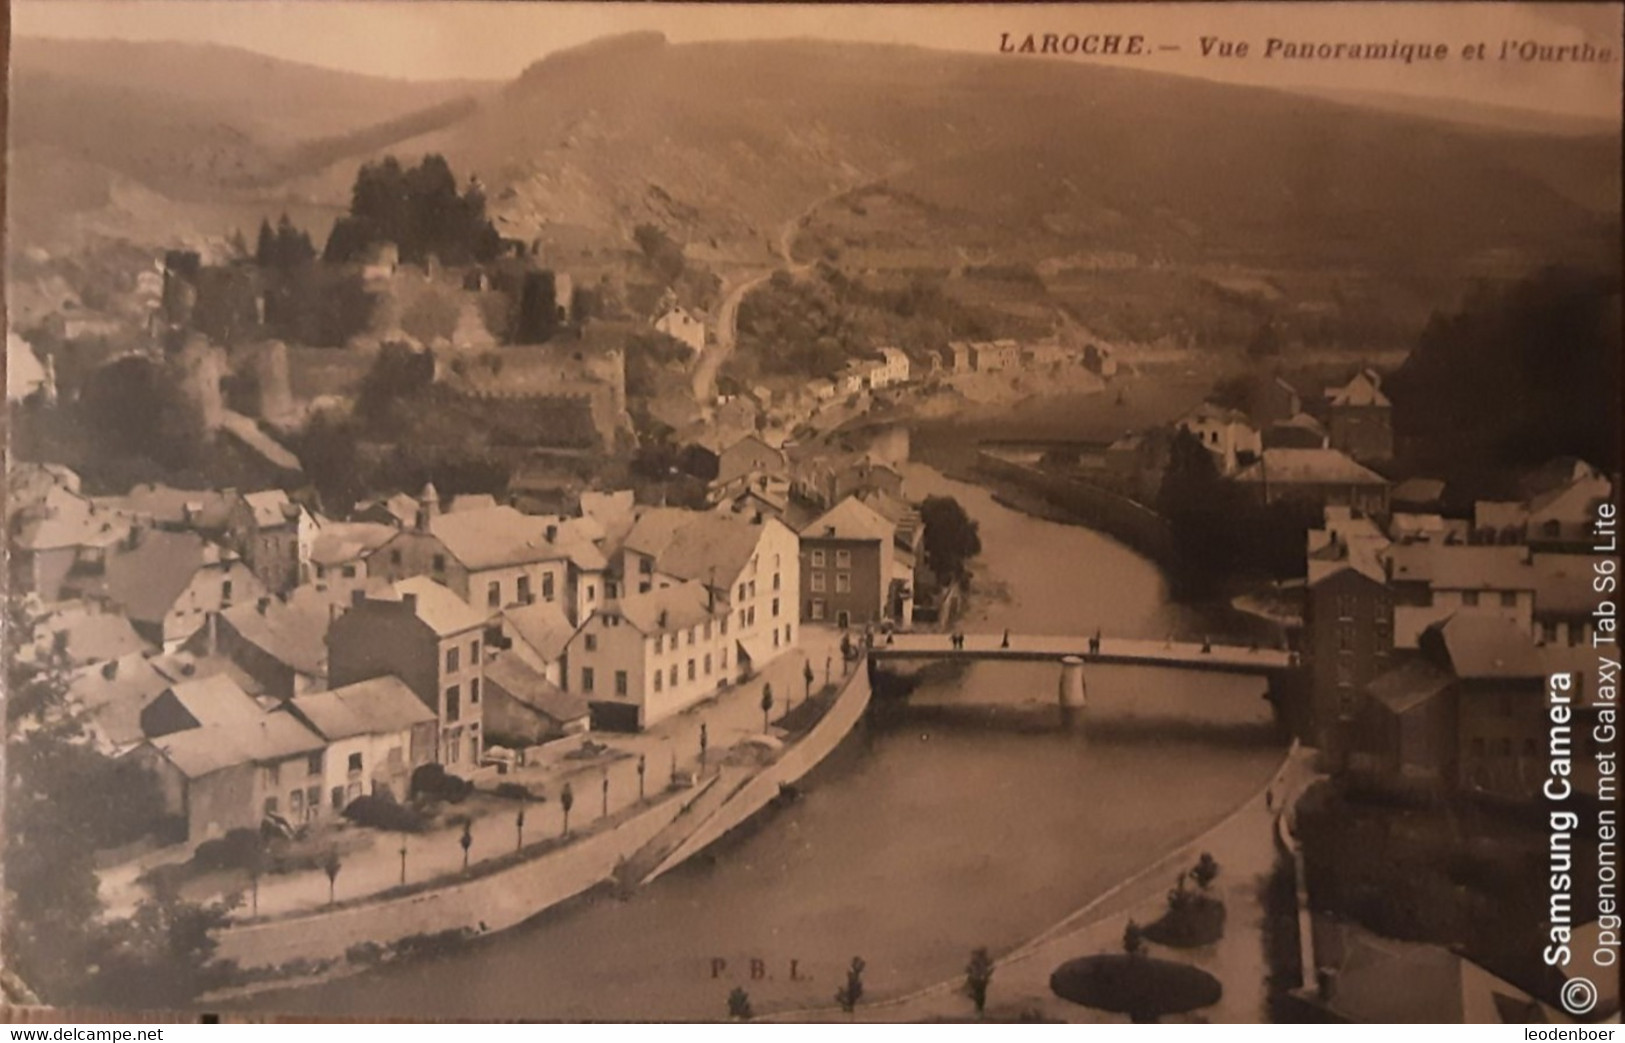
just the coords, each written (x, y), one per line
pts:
(1006, 642)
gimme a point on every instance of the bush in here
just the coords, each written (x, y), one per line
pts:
(514, 791)
(1145, 989)
(377, 812)
(438, 943)
(432, 780)
(1192, 921)
(238, 849)
(364, 954)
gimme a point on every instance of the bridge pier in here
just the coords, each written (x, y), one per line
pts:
(1074, 693)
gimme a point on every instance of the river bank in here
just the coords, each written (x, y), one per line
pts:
(914, 842)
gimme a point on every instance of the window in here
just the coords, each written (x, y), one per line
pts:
(818, 582)
(724, 621)
(439, 563)
(1345, 670)
(750, 616)
(1345, 638)
(775, 637)
(1345, 606)
(816, 609)
(493, 594)
(313, 764)
(586, 679)
(775, 606)
(741, 592)
(270, 805)
(547, 587)
(660, 643)
(296, 803)
(225, 590)
(454, 703)
(787, 633)
(321, 573)
(708, 664)
(775, 581)
(818, 559)
(659, 676)
(354, 766)
(453, 660)
(620, 683)
(646, 566)
(674, 675)
(474, 692)
(273, 776)
(708, 630)
(843, 559)
(349, 572)
(723, 662)
(843, 583)
(592, 592)
(396, 756)
(691, 674)
(610, 590)
(454, 747)
(1469, 597)
(338, 798)
(1509, 599)
(691, 631)
(742, 617)
(394, 557)
(522, 591)
(592, 642)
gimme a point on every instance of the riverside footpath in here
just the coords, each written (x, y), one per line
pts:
(1244, 844)
(733, 782)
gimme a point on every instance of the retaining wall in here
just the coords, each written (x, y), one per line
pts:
(492, 902)
(1123, 519)
(799, 759)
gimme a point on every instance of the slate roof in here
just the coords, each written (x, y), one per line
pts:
(145, 580)
(379, 706)
(542, 625)
(1365, 389)
(71, 521)
(714, 548)
(851, 519)
(1454, 566)
(1418, 491)
(1409, 685)
(494, 536)
(204, 509)
(293, 632)
(440, 608)
(270, 737)
(94, 637)
(270, 507)
(1309, 467)
(115, 702)
(1483, 647)
(655, 527)
(684, 605)
(338, 543)
(529, 687)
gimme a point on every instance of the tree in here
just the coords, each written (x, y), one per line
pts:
(331, 866)
(643, 768)
(767, 705)
(419, 210)
(849, 994)
(664, 255)
(567, 800)
(807, 677)
(466, 841)
(951, 537)
(978, 976)
(538, 309)
(163, 956)
(1520, 374)
(739, 1004)
(1133, 939)
(1205, 871)
(398, 373)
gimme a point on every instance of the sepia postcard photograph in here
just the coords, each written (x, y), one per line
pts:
(591, 512)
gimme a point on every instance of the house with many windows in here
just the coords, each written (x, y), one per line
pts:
(424, 634)
(653, 654)
(377, 733)
(847, 565)
(493, 557)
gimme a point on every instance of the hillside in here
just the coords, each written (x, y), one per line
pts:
(1067, 165)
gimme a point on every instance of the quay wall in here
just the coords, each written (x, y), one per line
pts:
(797, 760)
(490, 902)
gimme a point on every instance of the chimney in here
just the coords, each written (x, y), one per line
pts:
(552, 533)
(110, 669)
(410, 601)
(660, 621)
(263, 605)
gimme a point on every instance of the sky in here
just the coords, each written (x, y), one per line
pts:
(480, 39)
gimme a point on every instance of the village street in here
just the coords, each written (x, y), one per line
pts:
(673, 745)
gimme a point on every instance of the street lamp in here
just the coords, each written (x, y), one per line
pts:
(705, 740)
(331, 866)
(466, 840)
(403, 861)
(519, 829)
(807, 676)
(643, 766)
(767, 705)
(605, 809)
(567, 800)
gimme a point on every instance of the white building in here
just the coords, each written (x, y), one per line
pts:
(678, 324)
(1226, 433)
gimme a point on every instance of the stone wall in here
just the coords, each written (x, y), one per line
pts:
(492, 902)
(1117, 516)
(797, 761)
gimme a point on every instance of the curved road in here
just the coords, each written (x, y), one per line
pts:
(727, 327)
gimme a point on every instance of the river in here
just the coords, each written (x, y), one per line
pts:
(919, 841)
